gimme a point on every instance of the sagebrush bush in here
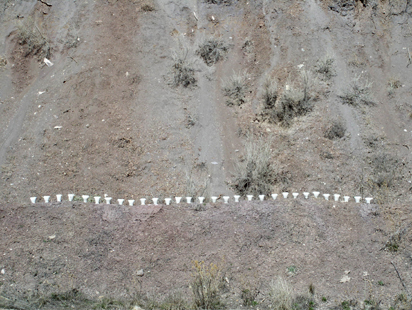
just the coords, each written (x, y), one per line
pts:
(212, 50)
(30, 36)
(294, 102)
(281, 295)
(326, 68)
(358, 93)
(255, 174)
(235, 88)
(183, 68)
(335, 130)
(206, 285)
(270, 96)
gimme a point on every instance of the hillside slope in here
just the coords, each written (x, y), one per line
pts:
(106, 119)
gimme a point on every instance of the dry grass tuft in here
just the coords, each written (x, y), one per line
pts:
(235, 88)
(281, 295)
(358, 93)
(212, 50)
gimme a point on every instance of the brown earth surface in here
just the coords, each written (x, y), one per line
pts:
(105, 119)
(99, 249)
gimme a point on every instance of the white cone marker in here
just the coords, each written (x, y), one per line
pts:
(316, 194)
(97, 199)
(262, 197)
(326, 196)
(168, 200)
(236, 198)
(274, 196)
(295, 195)
(368, 200)
(59, 197)
(178, 199)
(85, 197)
(107, 200)
(214, 198)
(285, 194)
(142, 201)
(336, 197)
(46, 199)
(201, 199)
(249, 197)
(120, 201)
(189, 199)
(131, 202)
(226, 199)
(155, 200)
(357, 199)
(71, 196)
(346, 198)
(33, 199)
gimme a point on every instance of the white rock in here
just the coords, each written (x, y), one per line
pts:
(3, 271)
(48, 62)
(140, 273)
(345, 279)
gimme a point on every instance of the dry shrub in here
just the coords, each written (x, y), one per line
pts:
(335, 130)
(183, 68)
(235, 88)
(326, 68)
(281, 295)
(226, 2)
(212, 50)
(270, 96)
(294, 102)
(255, 174)
(206, 285)
(393, 84)
(30, 36)
(358, 93)
(3, 61)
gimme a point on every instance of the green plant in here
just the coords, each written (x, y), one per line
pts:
(358, 93)
(183, 68)
(326, 68)
(324, 299)
(255, 173)
(212, 50)
(235, 88)
(335, 130)
(248, 296)
(302, 302)
(280, 295)
(291, 269)
(33, 39)
(381, 283)
(206, 285)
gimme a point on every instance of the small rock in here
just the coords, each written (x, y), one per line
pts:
(52, 237)
(3, 271)
(137, 308)
(140, 273)
(345, 279)
(347, 271)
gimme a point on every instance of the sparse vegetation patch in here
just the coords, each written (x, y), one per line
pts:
(183, 69)
(335, 130)
(30, 36)
(212, 50)
(326, 68)
(255, 174)
(235, 88)
(358, 93)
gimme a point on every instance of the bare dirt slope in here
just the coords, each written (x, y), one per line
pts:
(107, 119)
(100, 249)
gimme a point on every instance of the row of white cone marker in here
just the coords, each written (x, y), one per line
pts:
(201, 199)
